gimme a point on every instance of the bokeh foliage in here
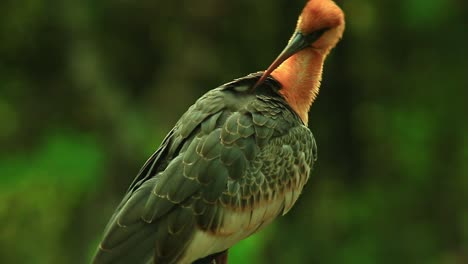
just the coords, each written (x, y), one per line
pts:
(89, 88)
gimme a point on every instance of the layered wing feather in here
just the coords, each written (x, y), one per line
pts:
(153, 220)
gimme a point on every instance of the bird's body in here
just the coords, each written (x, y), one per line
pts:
(237, 159)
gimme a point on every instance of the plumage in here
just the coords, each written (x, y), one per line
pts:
(238, 158)
(213, 183)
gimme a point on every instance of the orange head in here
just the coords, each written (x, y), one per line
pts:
(320, 26)
(299, 66)
(322, 15)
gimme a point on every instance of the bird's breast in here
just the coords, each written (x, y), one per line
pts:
(239, 224)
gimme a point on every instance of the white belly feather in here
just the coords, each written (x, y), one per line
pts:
(237, 226)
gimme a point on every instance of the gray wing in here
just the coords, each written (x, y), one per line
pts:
(152, 219)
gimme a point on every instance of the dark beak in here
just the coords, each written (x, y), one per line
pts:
(297, 43)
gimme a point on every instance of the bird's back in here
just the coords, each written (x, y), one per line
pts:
(233, 162)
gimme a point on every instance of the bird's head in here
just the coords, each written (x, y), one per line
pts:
(321, 23)
(319, 27)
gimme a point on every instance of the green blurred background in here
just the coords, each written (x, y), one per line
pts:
(89, 88)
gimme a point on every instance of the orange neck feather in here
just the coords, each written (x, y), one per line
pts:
(300, 77)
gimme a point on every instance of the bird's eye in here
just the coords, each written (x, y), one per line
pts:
(314, 36)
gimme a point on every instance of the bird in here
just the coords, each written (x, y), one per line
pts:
(237, 158)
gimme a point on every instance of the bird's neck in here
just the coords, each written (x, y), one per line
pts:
(300, 77)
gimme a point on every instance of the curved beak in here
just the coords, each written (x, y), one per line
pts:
(297, 43)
